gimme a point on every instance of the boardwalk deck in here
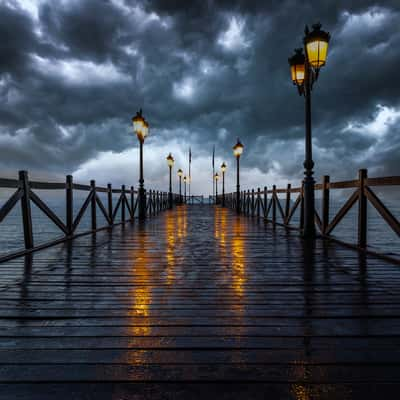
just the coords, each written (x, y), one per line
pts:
(199, 303)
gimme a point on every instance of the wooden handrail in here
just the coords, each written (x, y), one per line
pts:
(324, 222)
(26, 194)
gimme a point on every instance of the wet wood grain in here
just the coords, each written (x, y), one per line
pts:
(197, 303)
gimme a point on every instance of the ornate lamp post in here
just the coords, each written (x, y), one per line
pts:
(184, 182)
(170, 162)
(223, 169)
(216, 177)
(141, 128)
(237, 152)
(180, 173)
(304, 71)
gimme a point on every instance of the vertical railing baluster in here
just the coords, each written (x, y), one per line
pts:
(362, 209)
(258, 202)
(325, 203)
(93, 204)
(265, 202)
(274, 204)
(110, 203)
(287, 205)
(123, 203)
(252, 203)
(26, 210)
(132, 203)
(302, 206)
(69, 202)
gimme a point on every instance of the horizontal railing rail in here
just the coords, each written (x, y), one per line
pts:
(265, 203)
(126, 205)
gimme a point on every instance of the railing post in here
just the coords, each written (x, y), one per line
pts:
(265, 202)
(110, 203)
(93, 205)
(123, 203)
(362, 209)
(302, 206)
(132, 203)
(149, 203)
(69, 204)
(325, 203)
(26, 210)
(274, 204)
(252, 203)
(287, 205)
(258, 202)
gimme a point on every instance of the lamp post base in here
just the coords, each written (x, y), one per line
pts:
(142, 204)
(309, 231)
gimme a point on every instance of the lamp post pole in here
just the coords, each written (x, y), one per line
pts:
(305, 71)
(170, 163)
(180, 189)
(223, 169)
(237, 185)
(237, 151)
(141, 128)
(223, 188)
(170, 188)
(309, 183)
(142, 192)
(216, 188)
(184, 182)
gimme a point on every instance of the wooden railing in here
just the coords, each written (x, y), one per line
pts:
(127, 205)
(266, 204)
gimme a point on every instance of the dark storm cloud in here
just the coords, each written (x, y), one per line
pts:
(72, 74)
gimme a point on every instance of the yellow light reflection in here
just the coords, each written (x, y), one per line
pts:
(300, 391)
(175, 232)
(238, 258)
(141, 292)
(220, 229)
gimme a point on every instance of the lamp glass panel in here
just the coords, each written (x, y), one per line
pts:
(317, 51)
(138, 125)
(299, 74)
(145, 130)
(238, 150)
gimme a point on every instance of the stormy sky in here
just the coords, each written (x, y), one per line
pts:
(74, 72)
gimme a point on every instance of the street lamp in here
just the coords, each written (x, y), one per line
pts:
(184, 181)
(237, 152)
(141, 128)
(170, 162)
(180, 173)
(216, 177)
(304, 68)
(223, 169)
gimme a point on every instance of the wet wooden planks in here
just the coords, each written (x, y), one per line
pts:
(199, 302)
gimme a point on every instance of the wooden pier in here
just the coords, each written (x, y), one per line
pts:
(199, 303)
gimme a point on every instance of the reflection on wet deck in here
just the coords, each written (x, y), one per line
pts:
(199, 303)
